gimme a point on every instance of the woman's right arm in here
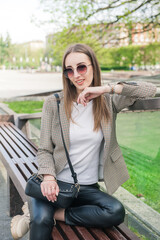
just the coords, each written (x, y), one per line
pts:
(46, 147)
(45, 159)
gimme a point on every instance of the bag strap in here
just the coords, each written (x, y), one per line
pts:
(74, 175)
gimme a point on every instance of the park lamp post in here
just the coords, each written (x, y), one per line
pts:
(50, 60)
(27, 59)
(14, 61)
(21, 60)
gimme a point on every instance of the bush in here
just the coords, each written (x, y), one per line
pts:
(127, 57)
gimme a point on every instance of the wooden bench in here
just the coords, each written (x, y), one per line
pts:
(18, 155)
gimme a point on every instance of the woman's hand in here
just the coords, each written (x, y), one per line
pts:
(49, 188)
(91, 92)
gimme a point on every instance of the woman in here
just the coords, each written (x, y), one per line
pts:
(88, 113)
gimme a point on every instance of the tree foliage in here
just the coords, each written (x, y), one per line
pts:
(16, 55)
(6, 49)
(125, 57)
(107, 14)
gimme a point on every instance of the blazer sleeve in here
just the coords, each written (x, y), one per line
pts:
(131, 92)
(46, 148)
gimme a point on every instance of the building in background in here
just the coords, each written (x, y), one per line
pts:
(34, 45)
(138, 36)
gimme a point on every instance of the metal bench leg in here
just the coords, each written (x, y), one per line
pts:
(16, 202)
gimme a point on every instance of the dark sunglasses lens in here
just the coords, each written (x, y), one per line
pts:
(68, 72)
(82, 69)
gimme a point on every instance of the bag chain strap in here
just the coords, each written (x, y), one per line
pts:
(74, 174)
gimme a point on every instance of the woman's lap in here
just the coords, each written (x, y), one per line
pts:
(91, 208)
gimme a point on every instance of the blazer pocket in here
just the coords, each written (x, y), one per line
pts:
(116, 154)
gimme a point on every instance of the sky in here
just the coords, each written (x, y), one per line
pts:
(15, 18)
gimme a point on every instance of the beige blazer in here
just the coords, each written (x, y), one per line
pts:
(112, 168)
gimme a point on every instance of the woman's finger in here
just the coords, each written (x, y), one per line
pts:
(57, 190)
(49, 190)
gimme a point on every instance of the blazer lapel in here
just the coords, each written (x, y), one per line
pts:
(65, 124)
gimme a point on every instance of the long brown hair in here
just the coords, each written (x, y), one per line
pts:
(100, 109)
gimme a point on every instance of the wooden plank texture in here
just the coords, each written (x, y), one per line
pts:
(22, 135)
(67, 231)
(56, 234)
(23, 138)
(114, 234)
(99, 234)
(83, 233)
(20, 143)
(126, 232)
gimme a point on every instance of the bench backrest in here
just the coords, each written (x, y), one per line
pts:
(18, 154)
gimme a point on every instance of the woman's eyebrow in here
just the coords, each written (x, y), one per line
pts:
(77, 64)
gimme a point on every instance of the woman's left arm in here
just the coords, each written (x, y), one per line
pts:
(132, 91)
(124, 93)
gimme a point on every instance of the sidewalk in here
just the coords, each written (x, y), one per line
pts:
(4, 207)
(17, 83)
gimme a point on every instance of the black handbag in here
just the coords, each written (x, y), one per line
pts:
(67, 191)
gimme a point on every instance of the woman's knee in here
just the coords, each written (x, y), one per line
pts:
(41, 216)
(117, 213)
(42, 219)
(41, 227)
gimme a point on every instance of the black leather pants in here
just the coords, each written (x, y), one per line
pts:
(42, 222)
(92, 208)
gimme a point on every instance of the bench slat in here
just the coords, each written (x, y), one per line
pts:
(16, 151)
(24, 171)
(67, 231)
(114, 234)
(83, 233)
(99, 234)
(3, 148)
(8, 149)
(56, 235)
(126, 232)
(12, 128)
(32, 168)
(19, 161)
(34, 147)
(20, 148)
(14, 173)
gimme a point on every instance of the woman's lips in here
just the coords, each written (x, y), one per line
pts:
(80, 82)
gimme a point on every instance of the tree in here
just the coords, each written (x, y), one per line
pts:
(6, 49)
(103, 16)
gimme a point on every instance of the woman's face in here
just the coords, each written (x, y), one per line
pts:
(81, 79)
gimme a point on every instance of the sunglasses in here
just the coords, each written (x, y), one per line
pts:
(81, 69)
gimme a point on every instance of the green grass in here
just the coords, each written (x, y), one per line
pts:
(142, 237)
(25, 106)
(144, 177)
(138, 135)
(140, 131)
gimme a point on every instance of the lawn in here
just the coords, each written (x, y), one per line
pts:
(138, 135)
(25, 106)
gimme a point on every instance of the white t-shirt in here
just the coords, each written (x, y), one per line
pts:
(84, 146)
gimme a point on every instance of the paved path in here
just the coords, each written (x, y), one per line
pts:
(17, 83)
(4, 207)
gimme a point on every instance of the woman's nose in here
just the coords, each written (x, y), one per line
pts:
(76, 74)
